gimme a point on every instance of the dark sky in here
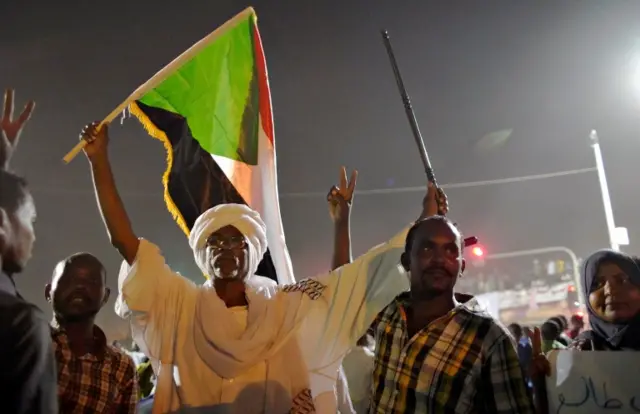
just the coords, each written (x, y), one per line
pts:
(550, 70)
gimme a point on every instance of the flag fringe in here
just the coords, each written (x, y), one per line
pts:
(158, 134)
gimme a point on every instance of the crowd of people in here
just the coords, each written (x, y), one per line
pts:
(387, 332)
(489, 277)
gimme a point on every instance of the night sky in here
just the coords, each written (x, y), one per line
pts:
(549, 70)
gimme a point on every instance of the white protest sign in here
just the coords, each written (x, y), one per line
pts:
(590, 382)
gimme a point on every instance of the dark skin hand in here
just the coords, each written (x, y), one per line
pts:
(340, 200)
(340, 197)
(10, 128)
(539, 369)
(435, 202)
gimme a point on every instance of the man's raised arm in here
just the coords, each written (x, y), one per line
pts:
(350, 297)
(340, 199)
(113, 212)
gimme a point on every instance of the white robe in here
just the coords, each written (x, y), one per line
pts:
(162, 307)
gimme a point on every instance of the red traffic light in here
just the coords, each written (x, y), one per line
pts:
(477, 251)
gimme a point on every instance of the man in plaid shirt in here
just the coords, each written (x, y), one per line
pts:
(93, 377)
(434, 354)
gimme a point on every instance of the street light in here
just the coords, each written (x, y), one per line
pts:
(477, 251)
(604, 189)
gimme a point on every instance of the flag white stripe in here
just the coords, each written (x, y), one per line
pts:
(258, 186)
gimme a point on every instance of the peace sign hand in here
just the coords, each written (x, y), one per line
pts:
(539, 366)
(340, 197)
(11, 129)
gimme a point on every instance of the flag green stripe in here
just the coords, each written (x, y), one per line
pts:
(213, 91)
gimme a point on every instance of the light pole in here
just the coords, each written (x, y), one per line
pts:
(604, 189)
(543, 250)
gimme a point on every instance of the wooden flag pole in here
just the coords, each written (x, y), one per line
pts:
(162, 75)
(81, 144)
(413, 122)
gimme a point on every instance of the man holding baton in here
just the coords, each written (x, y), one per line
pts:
(435, 354)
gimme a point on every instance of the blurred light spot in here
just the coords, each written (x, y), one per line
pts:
(494, 139)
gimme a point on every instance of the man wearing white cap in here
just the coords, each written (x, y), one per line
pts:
(239, 343)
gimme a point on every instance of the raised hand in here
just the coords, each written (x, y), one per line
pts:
(435, 202)
(539, 367)
(340, 197)
(97, 140)
(10, 129)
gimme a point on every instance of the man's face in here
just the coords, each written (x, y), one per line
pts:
(226, 253)
(435, 260)
(22, 236)
(78, 290)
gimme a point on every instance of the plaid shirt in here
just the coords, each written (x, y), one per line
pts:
(464, 362)
(103, 382)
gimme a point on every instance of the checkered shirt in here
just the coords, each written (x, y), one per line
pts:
(104, 382)
(464, 362)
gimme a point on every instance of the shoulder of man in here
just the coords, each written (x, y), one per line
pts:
(387, 312)
(18, 316)
(489, 329)
(26, 356)
(122, 357)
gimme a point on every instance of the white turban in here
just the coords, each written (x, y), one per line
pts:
(240, 216)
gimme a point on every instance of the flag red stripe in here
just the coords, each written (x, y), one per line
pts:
(263, 85)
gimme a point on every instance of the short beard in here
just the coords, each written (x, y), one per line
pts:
(79, 318)
(215, 272)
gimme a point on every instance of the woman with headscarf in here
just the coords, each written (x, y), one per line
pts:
(611, 281)
(240, 343)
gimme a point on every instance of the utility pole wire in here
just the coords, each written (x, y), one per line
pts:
(312, 194)
(453, 185)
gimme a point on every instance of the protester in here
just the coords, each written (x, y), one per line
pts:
(576, 325)
(92, 376)
(358, 363)
(239, 343)
(563, 324)
(612, 282)
(551, 331)
(435, 354)
(340, 199)
(523, 347)
(27, 365)
(563, 320)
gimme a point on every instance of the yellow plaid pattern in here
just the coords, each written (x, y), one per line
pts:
(464, 362)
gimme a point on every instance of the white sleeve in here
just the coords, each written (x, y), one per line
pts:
(345, 405)
(150, 295)
(351, 297)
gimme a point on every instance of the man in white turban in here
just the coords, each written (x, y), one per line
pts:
(240, 343)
